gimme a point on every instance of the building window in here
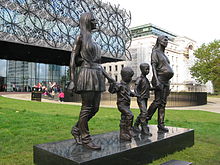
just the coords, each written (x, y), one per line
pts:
(122, 66)
(116, 78)
(116, 68)
(104, 67)
(110, 68)
(190, 47)
(21, 75)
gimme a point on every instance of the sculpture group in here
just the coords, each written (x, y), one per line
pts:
(88, 79)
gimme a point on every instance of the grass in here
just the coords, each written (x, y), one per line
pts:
(24, 124)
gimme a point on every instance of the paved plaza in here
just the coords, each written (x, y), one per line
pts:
(213, 105)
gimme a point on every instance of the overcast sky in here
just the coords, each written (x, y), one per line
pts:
(196, 19)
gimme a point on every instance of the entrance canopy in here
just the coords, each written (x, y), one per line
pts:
(30, 53)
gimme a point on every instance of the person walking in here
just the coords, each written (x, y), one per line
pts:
(162, 73)
(87, 78)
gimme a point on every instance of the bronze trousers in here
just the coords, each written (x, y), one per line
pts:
(159, 103)
(90, 106)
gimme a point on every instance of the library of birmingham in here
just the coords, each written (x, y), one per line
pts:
(36, 38)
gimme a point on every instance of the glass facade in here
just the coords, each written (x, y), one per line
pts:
(21, 75)
(55, 24)
(149, 29)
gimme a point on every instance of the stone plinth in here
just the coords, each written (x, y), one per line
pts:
(142, 149)
(177, 162)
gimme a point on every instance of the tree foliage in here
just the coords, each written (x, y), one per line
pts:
(207, 64)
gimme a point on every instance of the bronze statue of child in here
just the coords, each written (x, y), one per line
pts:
(123, 103)
(142, 90)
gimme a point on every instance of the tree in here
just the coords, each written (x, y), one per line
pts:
(207, 64)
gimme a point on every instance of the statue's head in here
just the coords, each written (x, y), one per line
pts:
(145, 68)
(87, 22)
(161, 40)
(126, 74)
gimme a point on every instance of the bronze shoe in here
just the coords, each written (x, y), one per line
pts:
(136, 129)
(145, 130)
(76, 135)
(124, 136)
(162, 129)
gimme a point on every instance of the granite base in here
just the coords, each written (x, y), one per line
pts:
(142, 149)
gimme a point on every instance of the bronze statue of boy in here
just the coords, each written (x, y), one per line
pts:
(123, 103)
(142, 90)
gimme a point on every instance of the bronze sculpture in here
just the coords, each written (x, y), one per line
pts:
(162, 73)
(142, 90)
(87, 78)
(123, 103)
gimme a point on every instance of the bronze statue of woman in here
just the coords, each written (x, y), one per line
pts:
(87, 78)
(162, 73)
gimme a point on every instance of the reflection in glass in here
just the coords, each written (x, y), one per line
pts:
(2, 68)
(21, 75)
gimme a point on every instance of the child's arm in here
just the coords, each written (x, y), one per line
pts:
(109, 78)
(137, 84)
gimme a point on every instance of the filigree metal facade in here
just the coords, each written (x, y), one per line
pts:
(54, 24)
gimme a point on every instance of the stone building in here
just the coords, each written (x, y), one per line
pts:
(179, 51)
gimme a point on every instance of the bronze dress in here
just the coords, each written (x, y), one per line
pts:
(90, 76)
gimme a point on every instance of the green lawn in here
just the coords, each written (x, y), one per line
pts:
(25, 123)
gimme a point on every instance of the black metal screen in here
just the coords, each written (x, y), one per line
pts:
(175, 99)
(54, 24)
